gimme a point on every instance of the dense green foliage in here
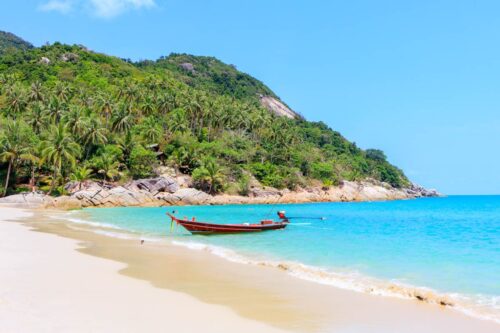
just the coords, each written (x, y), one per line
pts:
(88, 115)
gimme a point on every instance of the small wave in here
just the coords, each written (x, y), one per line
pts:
(108, 230)
(72, 219)
(479, 306)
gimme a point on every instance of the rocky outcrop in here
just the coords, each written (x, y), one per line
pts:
(69, 57)
(187, 66)
(185, 196)
(158, 191)
(154, 185)
(29, 199)
(64, 202)
(277, 107)
(44, 61)
(419, 191)
(165, 191)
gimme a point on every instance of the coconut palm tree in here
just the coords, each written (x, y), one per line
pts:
(95, 133)
(32, 156)
(122, 120)
(75, 120)
(58, 149)
(105, 106)
(16, 100)
(13, 143)
(36, 92)
(80, 174)
(108, 166)
(211, 175)
(62, 91)
(36, 117)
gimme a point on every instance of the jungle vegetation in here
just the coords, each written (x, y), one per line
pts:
(67, 113)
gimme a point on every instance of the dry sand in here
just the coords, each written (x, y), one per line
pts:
(47, 286)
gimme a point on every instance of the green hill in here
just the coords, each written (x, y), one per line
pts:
(70, 113)
(11, 41)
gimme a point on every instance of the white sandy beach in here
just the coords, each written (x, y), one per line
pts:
(46, 286)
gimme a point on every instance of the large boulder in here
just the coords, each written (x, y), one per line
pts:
(86, 185)
(65, 202)
(154, 185)
(70, 57)
(28, 199)
(117, 196)
(184, 196)
(259, 192)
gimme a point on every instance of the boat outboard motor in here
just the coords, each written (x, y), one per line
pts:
(282, 216)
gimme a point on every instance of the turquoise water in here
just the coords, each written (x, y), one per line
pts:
(450, 245)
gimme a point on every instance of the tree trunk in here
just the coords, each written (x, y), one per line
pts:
(53, 185)
(32, 179)
(7, 178)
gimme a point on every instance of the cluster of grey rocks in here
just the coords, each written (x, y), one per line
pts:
(166, 191)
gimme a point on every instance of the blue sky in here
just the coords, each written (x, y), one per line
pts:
(417, 79)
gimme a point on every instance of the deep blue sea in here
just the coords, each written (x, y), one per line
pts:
(442, 248)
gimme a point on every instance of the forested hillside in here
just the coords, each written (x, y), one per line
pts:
(10, 41)
(67, 113)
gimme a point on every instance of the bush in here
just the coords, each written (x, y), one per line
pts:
(142, 162)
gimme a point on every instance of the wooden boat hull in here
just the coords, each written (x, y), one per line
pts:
(205, 228)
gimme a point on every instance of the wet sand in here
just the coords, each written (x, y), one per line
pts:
(257, 295)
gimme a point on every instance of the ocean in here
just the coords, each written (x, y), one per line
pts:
(439, 250)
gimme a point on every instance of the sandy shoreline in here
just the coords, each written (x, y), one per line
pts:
(45, 285)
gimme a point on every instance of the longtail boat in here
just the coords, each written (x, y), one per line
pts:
(206, 228)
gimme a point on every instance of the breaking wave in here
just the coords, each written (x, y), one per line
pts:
(479, 306)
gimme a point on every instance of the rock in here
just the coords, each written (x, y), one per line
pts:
(44, 61)
(65, 203)
(165, 171)
(71, 57)
(259, 192)
(419, 191)
(277, 107)
(154, 185)
(28, 199)
(186, 196)
(187, 66)
(87, 185)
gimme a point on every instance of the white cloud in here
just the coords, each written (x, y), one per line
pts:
(61, 6)
(112, 8)
(99, 8)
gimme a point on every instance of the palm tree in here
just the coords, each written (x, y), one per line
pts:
(33, 158)
(36, 92)
(16, 100)
(80, 174)
(151, 130)
(13, 143)
(56, 109)
(211, 175)
(75, 120)
(36, 117)
(95, 133)
(122, 119)
(62, 91)
(105, 104)
(108, 166)
(126, 144)
(58, 149)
